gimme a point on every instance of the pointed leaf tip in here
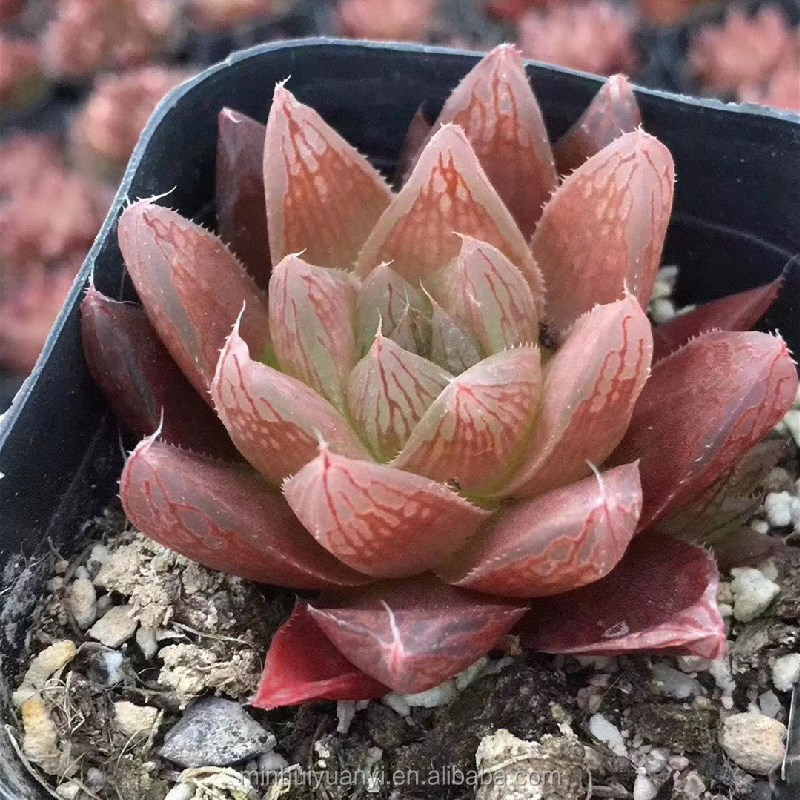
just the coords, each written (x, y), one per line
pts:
(498, 111)
(303, 666)
(412, 634)
(322, 195)
(141, 382)
(447, 193)
(311, 317)
(701, 410)
(612, 112)
(388, 392)
(381, 521)
(224, 516)
(590, 388)
(275, 420)
(483, 415)
(555, 542)
(191, 286)
(241, 210)
(736, 312)
(603, 229)
(661, 597)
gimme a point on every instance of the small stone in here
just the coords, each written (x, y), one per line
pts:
(110, 664)
(146, 639)
(181, 791)
(778, 509)
(754, 742)
(397, 703)
(345, 713)
(792, 423)
(673, 683)
(215, 732)
(271, 762)
(662, 310)
(439, 695)
(69, 790)
(753, 593)
(786, 672)
(104, 603)
(132, 720)
(644, 788)
(769, 704)
(760, 526)
(608, 733)
(678, 762)
(82, 602)
(115, 627)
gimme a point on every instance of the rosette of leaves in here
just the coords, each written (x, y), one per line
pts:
(435, 409)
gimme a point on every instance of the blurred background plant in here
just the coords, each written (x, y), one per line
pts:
(79, 78)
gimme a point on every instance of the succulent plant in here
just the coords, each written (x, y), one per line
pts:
(21, 79)
(743, 51)
(448, 421)
(107, 129)
(594, 36)
(397, 20)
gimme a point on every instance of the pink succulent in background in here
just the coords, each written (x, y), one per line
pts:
(594, 36)
(21, 79)
(386, 20)
(744, 51)
(11, 9)
(106, 131)
(89, 35)
(670, 12)
(222, 15)
(444, 405)
(782, 90)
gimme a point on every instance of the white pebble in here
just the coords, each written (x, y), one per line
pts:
(397, 703)
(786, 672)
(679, 763)
(181, 791)
(115, 627)
(778, 508)
(608, 733)
(752, 592)
(753, 741)
(113, 663)
(82, 602)
(272, 762)
(132, 720)
(792, 423)
(673, 683)
(662, 310)
(720, 671)
(644, 788)
(439, 695)
(760, 526)
(467, 676)
(146, 639)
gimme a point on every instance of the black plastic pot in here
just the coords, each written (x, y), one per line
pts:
(735, 226)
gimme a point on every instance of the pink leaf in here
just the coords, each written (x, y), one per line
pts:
(496, 108)
(555, 542)
(192, 288)
(141, 382)
(224, 516)
(414, 633)
(447, 193)
(388, 391)
(736, 312)
(311, 316)
(590, 388)
(275, 420)
(475, 428)
(241, 211)
(662, 596)
(323, 197)
(703, 408)
(379, 520)
(603, 229)
(302, 666)
(488, 293)
(612, 112)
(388, 301)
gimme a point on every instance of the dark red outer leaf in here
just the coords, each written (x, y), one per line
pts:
(241, 208)
(736, 312)
(302, 666)
(414, 633)
(192, 287)
(702, 409)
(612, 112)
(662, 596)
(226, 517)
(141, 381)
